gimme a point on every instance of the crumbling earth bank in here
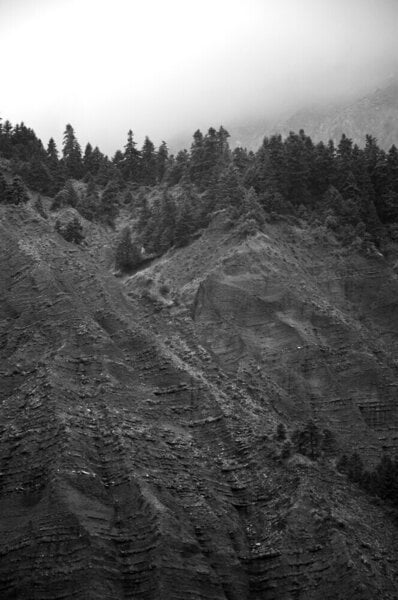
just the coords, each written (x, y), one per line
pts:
(134, 465)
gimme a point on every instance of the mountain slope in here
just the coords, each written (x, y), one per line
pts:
(137, 447)
(376, 114)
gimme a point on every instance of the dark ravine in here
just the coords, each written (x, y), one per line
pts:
(137, 450)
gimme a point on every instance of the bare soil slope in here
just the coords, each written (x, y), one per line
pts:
(137, 457)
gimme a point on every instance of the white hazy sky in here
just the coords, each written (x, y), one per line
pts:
(161, 67)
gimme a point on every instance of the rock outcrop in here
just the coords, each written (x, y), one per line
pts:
(137, 450)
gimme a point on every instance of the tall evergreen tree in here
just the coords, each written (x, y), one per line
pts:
(179, 167)
(148, 163)
(71, 153)
(131, 159)
(196, 162)
(4, 190)
(161, 161)
(230, 191)
(17, 193)
(127, 255)
(89, 205)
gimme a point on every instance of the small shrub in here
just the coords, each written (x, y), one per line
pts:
(72, 232)
(280, 432)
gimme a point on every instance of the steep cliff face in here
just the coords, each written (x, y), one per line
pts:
(305, 317)
(137, 457)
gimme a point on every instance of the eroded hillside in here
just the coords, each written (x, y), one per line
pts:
(137, 450)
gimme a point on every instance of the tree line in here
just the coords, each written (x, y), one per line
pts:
(348, 190)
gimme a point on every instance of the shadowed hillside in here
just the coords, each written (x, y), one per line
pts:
(138, 452)
(198, 374)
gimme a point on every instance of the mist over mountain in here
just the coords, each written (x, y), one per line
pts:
(373, 112)
(163, 69)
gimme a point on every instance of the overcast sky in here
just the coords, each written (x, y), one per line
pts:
(161, 67)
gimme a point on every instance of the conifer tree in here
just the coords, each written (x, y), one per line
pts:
(89, 205)
(179, 167)
(56, 168)
(72, 232)
(307, 441)
(250, 209)
(196, 163)
(392, 168)
(66, 197)
(230, 190)
(71, 153)
(52, 153)
(3, 189)
(161, 161)
(17, 193)
(88, 166)
(240, 160)
(131, 159)
(148, 163)
(186, 219)
(127, 255)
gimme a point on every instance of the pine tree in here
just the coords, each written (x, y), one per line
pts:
(52, 153)
(131, 159)
(250, 209)
(230, 190)
(322, 170)
(150, 228)
(4, 191)
(66, 197)
(6, 140)
(127, 255)
(72, 232)
(297, 160)
(71, 153)
(186, 220)
(392, 168)
(89, 205)
(223, 150)
(88, 166)
(196, 163)
(143, 213)
(161, 161)
(17, 192)
(307, 441)
(211, 161)
(240, 160)
(179, 167)
(55, 167)
(148, 163)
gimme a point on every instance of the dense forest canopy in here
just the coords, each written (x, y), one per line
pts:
(349, 190)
